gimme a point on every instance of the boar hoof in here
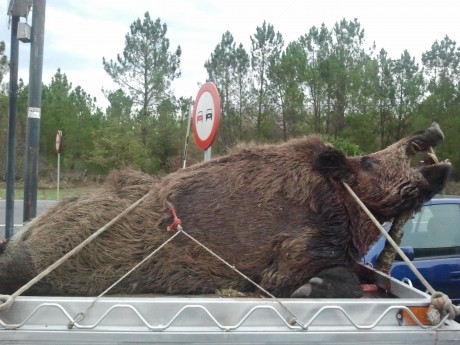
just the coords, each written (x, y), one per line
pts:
(336, 282)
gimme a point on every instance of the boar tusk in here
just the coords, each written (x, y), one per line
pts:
(433, 155)
(417, 146)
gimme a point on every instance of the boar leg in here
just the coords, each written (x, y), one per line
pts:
(388, 254)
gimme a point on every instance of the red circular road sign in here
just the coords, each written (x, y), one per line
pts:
(58, 141)
(206, 115)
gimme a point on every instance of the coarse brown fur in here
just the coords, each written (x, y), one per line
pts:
(279, 213)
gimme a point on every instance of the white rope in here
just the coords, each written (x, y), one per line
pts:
(390, 240)
(294, 320)
(8, 300)
(81, 315)
(439, 301)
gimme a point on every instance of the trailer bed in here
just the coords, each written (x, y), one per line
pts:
(383, 316)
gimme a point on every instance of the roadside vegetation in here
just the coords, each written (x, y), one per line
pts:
(49, 193)
(329, 81)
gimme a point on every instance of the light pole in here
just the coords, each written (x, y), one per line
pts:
(16, 10)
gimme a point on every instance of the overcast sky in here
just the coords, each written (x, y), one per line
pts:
(78, 34)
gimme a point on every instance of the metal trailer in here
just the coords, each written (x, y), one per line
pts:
(386, 316)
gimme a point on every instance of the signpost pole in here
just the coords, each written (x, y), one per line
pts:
(207, 154)
(58, 175)
(58, 151)
(190, 114)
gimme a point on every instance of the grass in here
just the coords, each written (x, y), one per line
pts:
(48, 193)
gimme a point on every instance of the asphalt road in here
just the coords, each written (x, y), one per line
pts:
(18, 212)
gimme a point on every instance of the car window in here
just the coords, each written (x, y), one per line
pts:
(435, 230)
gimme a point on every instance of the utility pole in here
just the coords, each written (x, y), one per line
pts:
(12, 116)
(34, 110)
(16, 9)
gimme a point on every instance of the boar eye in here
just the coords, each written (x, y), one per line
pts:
(368, 163)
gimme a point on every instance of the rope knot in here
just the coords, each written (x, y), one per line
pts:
(176, 222)
(441, 306)
(6, 302)
(174, 225)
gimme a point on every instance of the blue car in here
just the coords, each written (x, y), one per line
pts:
(432, 242)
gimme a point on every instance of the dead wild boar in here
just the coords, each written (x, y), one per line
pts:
(278, 213)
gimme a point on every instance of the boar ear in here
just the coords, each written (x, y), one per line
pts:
(333, 163)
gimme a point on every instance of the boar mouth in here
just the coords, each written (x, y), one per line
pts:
(431, 158)
(424, 141)
(435, 172)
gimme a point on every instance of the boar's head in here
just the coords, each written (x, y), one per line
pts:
(385, 180)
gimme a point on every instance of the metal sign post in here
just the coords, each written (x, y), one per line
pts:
(206, 117)
(190, 114)
(207, 154)
(58, 175)
(58, 151)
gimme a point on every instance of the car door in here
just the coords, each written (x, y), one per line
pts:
(433, 239)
